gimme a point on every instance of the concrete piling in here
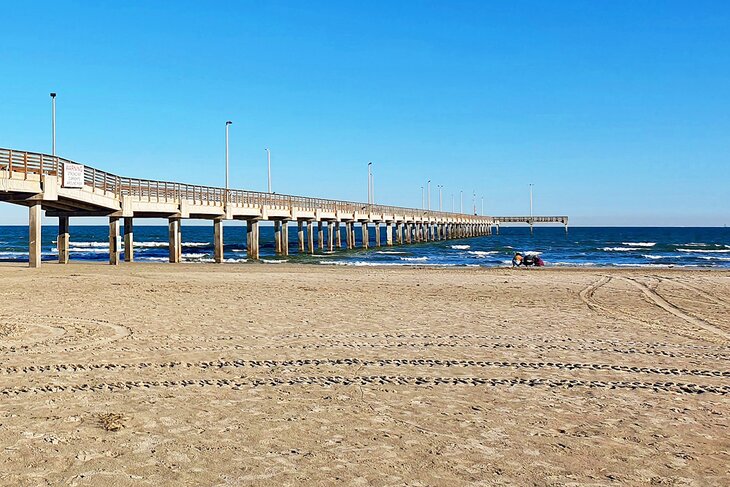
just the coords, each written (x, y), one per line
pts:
(63, 239)
(300, 236)
(285, 238)
(174, 235)
(34, 234)
(252, 239)
(310, 237)
(114, 241)
(218, 240)
(128, 239)
(277, 237)
(320, 235)
(331, 236)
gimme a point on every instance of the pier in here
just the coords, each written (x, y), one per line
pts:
(65, 189)
(530, 220)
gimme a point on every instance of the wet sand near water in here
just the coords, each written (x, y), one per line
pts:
(257, 374)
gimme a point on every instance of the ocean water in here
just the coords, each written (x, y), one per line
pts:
(582, 246)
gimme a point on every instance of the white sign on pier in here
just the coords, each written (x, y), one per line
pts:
(73, 175)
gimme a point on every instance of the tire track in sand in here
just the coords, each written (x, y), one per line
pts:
(662, 303)
(370, 380)
(587, 296)
(357, 362)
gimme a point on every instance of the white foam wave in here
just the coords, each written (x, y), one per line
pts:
(639, 244)
(390, 252)
(414, 259)
(238, 250)
(705, 251)
(482, 253)
(360, 263)
(723, 259)
(193, 256)
(151, 244)
(272, 261)
(90, 244)
(573, 264)
(86, 250)
(460, 247)
(619, 249)
(195, 244)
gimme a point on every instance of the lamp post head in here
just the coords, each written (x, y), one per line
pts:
(53, 95)
(229, 123)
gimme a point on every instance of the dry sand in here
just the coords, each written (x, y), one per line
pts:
(302, 375)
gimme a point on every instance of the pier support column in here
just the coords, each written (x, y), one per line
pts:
(300, 236)
(389, 234)
(310, 237)
(338, 234)
(377, 234)
(365, 235)
(252, 239)
(330, 236)
(115, 246)
(218, 240)
(62, 240)
(277, 237)
(320, 235)
(174, 235)
(128, 239)
(285, 237)
(350, 229)
(34, 235)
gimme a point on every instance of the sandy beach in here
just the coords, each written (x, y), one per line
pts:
(311, 375)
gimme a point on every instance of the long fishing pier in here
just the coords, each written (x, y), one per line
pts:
(64, 189)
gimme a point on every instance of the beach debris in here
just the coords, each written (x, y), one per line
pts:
(111, 421)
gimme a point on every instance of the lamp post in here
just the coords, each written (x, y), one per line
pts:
(228, 124)
(429, 195)
(441, 200)
(370, 182)
(423, 199)
(531, 185)
(268, 161)
(482, 205)
(53, 124)
(474, 202)
(461, 197)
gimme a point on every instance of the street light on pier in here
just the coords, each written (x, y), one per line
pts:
(429, 195)
(461, 196)
(228, 124)
(423, 199)
(268, 160)
(53, 124)
(531, 185)
(370, 183)
(441, 200)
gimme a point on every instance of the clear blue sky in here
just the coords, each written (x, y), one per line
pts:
(619, 112)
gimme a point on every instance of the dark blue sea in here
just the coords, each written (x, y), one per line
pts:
(582, 246)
